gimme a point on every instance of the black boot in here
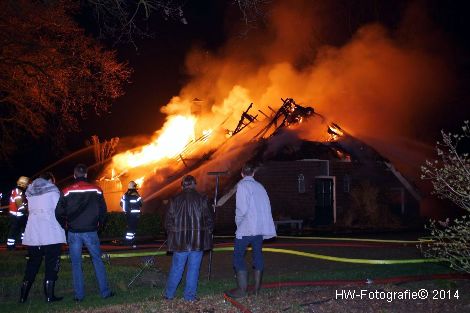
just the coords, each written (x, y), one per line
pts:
(258, 278)
(25, 287)
(49, 286)
(242, 282)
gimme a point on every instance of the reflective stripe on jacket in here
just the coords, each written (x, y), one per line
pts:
(131, 202)
(18, 205)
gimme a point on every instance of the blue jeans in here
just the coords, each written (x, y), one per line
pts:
(92, 242)
(193, 258)
(239, 250)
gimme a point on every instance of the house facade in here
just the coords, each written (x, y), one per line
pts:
(323, 192)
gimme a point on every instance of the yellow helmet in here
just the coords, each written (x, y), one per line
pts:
(23, 181)
(132, 185)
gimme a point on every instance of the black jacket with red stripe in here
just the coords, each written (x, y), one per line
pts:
(81, 207)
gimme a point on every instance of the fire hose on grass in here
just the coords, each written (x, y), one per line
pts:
(284, 251)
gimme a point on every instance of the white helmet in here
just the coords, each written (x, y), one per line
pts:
(23, 182)
(132, 185)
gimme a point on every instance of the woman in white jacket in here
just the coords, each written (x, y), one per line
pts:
(43, 235)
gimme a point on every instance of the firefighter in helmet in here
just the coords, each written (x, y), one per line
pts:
(18, 212)
(131, 203)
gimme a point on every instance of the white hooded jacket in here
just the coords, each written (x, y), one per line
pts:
(42, 227)
(253, 210)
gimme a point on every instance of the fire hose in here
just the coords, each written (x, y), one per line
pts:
(284, 251)
(420, 240)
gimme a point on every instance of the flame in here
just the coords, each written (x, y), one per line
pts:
(206, 133)
(177, 132)
(140, 181)
(335, 132)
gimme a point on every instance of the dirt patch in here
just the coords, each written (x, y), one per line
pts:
(442, 296)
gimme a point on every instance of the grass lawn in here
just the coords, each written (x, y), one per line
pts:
(148, 293)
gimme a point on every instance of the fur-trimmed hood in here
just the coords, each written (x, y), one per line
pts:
(41, 186)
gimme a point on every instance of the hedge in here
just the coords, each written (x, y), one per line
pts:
(4, 226)
(149, 225)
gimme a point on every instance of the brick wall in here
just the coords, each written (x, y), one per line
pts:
(280, 178)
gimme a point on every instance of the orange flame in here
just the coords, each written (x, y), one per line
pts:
(140, 181)
(177, 132)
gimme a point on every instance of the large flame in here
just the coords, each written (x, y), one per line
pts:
(177, 132)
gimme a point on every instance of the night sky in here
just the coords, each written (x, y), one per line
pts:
(160, 73)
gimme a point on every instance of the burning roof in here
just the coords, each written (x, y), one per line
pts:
(176, 151)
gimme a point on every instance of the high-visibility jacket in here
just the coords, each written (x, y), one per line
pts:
(131, 202)
(18, 204)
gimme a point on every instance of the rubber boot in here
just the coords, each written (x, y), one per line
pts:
(258, 275)
(25, 287)
(49, 286)
(242, 282)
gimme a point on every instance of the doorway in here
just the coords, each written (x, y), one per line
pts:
(324, 201)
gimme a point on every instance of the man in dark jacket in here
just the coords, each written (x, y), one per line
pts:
(82, 208)
(189, 226)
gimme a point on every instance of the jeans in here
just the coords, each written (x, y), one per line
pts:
(239, 250)
(51, 254)
(193, 258)
(92, 242)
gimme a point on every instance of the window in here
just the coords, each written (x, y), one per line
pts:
(301, 183)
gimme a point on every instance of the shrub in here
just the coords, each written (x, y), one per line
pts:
(4, 226)
(115, 225)
(149, 225)
(368, 208)
(450, 177)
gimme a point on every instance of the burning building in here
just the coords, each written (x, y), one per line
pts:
(334, 180)
(374, 84)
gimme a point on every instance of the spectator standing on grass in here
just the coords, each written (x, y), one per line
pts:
(254, 224)
(43, 236)
(189, 226)
(83, 209)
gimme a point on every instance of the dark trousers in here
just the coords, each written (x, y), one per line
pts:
(239, 250)
(51, 254)
(17, 226)
(132, 219)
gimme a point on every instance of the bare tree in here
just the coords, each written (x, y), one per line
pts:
(252, 10)
(123, 20)
(51, 74)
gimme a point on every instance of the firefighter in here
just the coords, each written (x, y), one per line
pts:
(18, 212)
(131, 202)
